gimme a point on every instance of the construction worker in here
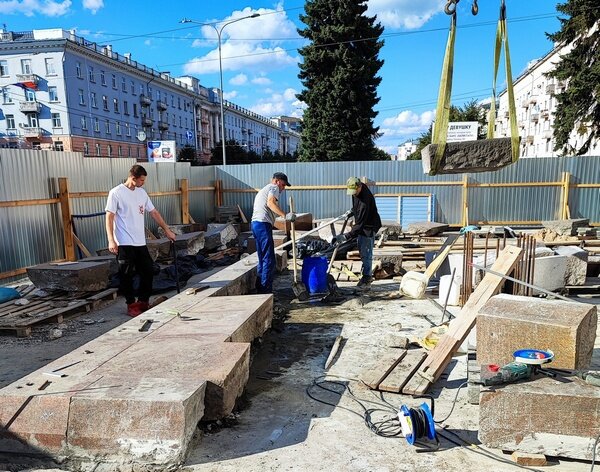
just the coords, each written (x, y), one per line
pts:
(366, 224)
(125, 209)
(266, 209)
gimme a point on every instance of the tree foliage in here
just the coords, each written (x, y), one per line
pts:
(339, 75)
(578, 106)
(470, 111)
(237, 154)
(187, 154)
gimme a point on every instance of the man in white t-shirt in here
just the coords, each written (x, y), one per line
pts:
(125, 210)
(266, 209)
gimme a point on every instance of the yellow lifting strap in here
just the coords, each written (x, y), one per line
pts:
(442, 115)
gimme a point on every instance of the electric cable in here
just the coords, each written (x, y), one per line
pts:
(453, 403)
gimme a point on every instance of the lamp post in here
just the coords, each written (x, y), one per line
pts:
(219, 31)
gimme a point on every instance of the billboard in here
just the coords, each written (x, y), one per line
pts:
(161, 151)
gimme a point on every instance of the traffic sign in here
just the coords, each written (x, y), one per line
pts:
(189, 135)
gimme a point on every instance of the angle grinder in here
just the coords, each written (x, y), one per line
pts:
(527, 363)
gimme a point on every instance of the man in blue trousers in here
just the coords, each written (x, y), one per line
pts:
(266, 209)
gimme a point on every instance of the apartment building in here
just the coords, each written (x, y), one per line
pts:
(536, 103)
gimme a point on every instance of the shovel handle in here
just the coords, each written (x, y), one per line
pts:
(293, 233)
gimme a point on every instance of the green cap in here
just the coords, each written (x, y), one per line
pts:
(352, 184)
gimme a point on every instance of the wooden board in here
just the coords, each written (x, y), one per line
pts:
(439, 358)
(441, 257)
(385, 364)
(397, 378)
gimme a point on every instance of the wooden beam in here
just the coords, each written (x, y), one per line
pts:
(81, 246)
(565, 213)
(20, 203)
(67, 221)
(185, 201)
(465, 202)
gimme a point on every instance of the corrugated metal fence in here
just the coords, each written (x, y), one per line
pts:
(30, 218)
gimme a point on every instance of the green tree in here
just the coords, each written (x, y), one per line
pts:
(339, 75)
(578, 107)
(470, 111)
(187, 154)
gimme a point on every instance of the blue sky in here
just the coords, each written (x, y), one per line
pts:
(260, 58)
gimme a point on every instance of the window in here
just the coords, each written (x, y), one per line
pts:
(107, 127)
(6, 98)
(118, 128)
(120, 151)
(50, 66)
(158, 95)
(86, 149)
(78, 70)
(30, 95)
(96, 125)
(127, 129)
(53, 94)
(81, 97)
(105, 102)
(128, 151)
(98, 149)
(123, 84)
(84, 123)
(91, 77)
(58, 146)
(26, 66)
(103, 77)
(32, 120)
(10, 121)
(109, 150)
(132, 88)
(135, 110)
(56, 120)
(125, 107)
(3, 68)
(172, 101)
(93, 99)
(116, 105)
(141, 89)
(114, 81)
(179, 102)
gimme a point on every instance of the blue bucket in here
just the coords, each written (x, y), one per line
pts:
(314, 274)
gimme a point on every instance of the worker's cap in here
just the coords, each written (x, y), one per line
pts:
(281, 176)
(352, 184)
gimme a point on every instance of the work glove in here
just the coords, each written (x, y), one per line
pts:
(340, 239)
(348, 214)
(291, 217)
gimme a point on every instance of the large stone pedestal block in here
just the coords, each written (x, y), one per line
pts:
(71, 276)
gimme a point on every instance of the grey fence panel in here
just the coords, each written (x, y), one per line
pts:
(202, 203)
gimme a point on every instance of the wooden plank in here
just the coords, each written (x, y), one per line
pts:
(67, 220)
(439, 358)
(19, 203)
(385, 364)
(441, 257)
(55, 314)
(242, 215)
(185, 201)
(397, 378)
(81, 246)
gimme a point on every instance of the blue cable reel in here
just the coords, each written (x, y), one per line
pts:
(418, 424)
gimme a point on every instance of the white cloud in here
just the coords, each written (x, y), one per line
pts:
(239, 79)
(33, 7)
(230, 95)
(261, 81)
(409, 14)
(279, 104)
(407, 124)
(393, 150)
(148, 42)
(263, 52)
(93, 5)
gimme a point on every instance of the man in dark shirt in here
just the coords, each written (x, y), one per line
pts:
(366, 224)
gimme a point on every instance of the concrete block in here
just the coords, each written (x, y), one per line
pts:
(110, 258)
(183, 229)
(507, 323)
(577, 262)
(219, 236)
(186, 244)
(566, 227)
(426, 228)
(392, 260)
(72, 276)
(542, 416)
(549, 272)
(543, 251)
(482, 155)
(304, 222)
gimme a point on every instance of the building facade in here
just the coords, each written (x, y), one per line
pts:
(62, 92)
(536, 103)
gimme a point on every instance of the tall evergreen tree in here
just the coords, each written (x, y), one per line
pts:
(578, 106)
(339, 74)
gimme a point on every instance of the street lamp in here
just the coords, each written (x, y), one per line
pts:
(219, 31)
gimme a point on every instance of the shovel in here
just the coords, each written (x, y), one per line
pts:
(332, 287)
(298, 287)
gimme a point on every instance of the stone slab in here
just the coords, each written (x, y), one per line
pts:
(577, 262)
(110, 258)
(186, 244)
(426, 228)
(72, 277)
(482, 155)
(507, 323)
(550, 272)
(566, 227)
(542, 416)
(304, 222)
(182, 229)
(219, 236)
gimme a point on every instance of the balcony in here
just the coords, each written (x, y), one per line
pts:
(529, 139)
(535, 117)
(506, 114)
(30, 107)
(163, 125)
(533, 100)
(161, 105)
(525, 103)
(521, 124)
(30, 132)
(545, 114)
(146, 122)
(550, 89)
(548, 134)
(28, 78)
(145, 101)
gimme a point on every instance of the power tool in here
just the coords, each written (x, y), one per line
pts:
(527, 363)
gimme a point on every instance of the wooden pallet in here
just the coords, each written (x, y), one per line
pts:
(341, 270)
(54, 307)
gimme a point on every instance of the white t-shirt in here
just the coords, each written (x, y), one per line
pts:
(261, 211)
(129, 207)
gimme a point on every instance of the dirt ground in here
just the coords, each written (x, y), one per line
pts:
(277, 426)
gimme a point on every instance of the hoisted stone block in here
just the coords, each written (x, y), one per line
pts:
(507, 323)
(70, 276)
(483, 155)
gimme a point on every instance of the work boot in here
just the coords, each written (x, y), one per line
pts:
(134, 309)
(364, 282)
(144, 306)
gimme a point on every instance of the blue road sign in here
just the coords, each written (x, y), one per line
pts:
(189, 135)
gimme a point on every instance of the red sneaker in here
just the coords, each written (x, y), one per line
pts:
(134, 309)
(144, 306)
